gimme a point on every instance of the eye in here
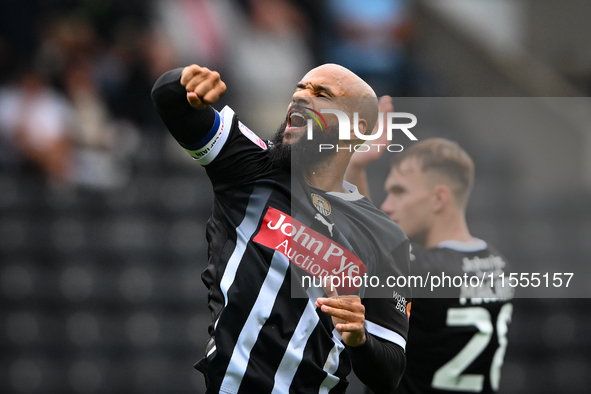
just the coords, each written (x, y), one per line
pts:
(397, 191)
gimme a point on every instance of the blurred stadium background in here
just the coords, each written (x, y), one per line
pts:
(102, 216)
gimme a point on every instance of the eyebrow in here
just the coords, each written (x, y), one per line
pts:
(317, 88)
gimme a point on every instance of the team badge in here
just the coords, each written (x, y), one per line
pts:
(321, 204)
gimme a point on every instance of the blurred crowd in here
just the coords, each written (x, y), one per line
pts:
(99, 289)
(75, 75)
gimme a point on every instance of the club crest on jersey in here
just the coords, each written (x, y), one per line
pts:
(321, 204)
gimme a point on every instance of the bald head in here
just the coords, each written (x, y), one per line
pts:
(345, 83)
(349, 83)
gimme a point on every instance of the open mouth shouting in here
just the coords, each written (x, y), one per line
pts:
(297, 123)
(297, 118)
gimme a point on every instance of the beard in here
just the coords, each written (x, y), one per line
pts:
(303, 153)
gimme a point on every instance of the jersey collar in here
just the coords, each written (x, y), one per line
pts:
(354, 194)
(471, 246)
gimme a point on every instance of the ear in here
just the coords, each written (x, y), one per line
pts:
(361, 126)
(443, 197)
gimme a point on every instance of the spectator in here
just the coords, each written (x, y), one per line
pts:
(370, 40)
(39, 120)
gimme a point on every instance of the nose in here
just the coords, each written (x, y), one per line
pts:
(301, 97)
(388, 207)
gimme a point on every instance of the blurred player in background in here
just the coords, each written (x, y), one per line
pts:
(263, 338)
(457, 344)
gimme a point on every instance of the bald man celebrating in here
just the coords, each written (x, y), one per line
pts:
(291, 245)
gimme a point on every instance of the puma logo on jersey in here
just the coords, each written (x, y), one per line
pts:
(322, 220)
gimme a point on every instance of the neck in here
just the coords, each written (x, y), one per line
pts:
(328, 174)
(449, 226)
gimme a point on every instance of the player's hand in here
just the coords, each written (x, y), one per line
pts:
(361, 159)
(348, 316)
(203, 86)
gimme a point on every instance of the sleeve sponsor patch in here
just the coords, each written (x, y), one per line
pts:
(248, 133)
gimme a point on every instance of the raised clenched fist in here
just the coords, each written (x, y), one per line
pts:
(203, 86)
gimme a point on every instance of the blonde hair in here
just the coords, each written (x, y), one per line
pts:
(446, 160)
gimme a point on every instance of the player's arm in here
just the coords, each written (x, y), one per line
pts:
(182, 98)
(229, 151)
(378, 363)
(356, 170)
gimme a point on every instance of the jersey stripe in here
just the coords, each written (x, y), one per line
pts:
(331, 366)
(256, 205)
(295, 350)
(256, 319)
(384, 333)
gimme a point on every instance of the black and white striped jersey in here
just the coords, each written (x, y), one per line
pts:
(457, 345)
(267, 232)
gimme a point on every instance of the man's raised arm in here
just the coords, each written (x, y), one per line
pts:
(182, 98)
